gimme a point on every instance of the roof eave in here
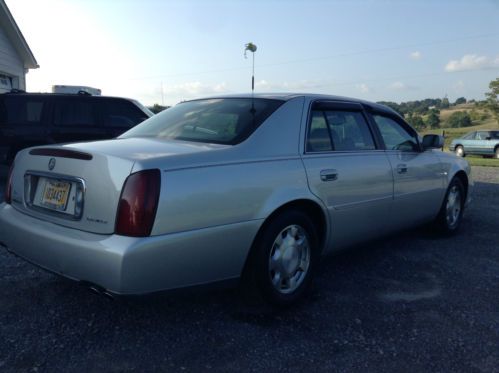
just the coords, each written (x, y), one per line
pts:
(14, 34)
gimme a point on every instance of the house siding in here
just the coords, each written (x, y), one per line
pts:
(10, 63)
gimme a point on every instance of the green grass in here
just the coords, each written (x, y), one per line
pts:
(479, 161)
(452, 133)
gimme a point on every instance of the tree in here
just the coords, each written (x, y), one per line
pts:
(493, 99)
(416, 121)
(433, 119)
(460, 100)
(156, 108)
(459, 119)
(445, 103)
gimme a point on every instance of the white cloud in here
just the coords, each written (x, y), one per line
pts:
(172, 94)
(302, 84)
(220, 88)
(397, 85)
(416, 55)
(363, 87)
(262, 84)
(286, 86)
(400, 86)
(195, 88)
(472, 62)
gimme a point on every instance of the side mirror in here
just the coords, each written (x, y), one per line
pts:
(433, 142)
(488, 138)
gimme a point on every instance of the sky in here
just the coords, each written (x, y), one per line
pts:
(160, 51)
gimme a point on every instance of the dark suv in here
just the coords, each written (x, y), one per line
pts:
(28, 119)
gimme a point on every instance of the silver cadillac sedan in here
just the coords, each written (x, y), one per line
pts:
(218, 189)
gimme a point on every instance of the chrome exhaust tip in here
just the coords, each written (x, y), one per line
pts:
(108, 295)
(96, 289)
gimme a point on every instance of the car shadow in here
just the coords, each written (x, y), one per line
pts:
(401, 268)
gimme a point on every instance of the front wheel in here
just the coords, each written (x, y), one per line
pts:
(459, 151)
(284, 258)
(451, 212)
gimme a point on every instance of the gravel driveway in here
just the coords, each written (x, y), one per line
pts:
(412, 302)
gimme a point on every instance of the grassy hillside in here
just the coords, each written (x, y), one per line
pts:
(452, 133)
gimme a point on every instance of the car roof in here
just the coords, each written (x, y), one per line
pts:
(50, 94)
(312, 96)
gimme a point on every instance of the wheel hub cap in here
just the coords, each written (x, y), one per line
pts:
(289, 259)
(453, 207)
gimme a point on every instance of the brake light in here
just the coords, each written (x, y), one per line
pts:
(138, 204)
(8, 189)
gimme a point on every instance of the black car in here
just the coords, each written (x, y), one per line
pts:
(28, 119)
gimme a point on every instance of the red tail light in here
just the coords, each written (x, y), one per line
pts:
(8, 189)
(138, 204)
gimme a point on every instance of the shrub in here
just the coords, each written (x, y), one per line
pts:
(459, 119)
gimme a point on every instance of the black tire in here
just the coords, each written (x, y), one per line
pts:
(496, 153)
(459, 150)
(261, 276)
(450, 215)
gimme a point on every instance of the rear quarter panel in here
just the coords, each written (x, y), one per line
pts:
(210, 196)
(241, 183)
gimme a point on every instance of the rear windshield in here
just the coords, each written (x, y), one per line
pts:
(220, 121)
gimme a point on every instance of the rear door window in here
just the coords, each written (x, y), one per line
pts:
(482, 135)
(15, 110)
(74, 112)
(338, 130)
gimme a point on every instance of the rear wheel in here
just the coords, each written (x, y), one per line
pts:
(496, 153)
(451, 212)
(459, 151)
(283, 258)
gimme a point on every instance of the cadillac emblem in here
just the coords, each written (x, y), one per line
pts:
(51, 164)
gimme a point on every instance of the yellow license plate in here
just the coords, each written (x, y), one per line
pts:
(55, 195)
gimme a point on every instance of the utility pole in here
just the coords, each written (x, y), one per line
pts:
(162, 95)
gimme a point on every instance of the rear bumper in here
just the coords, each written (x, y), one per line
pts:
(129, 265)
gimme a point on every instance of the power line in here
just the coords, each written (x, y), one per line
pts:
(392, 78)
(318, 58)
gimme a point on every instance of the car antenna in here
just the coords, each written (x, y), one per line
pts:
(252, 48)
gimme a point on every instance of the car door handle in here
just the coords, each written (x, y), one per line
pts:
(329, 175)
(402, 168)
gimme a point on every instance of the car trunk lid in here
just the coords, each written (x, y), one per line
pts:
(48, 181)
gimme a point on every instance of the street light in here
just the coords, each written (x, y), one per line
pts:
(252, 48)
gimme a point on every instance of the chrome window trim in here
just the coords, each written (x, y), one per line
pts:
(345, 152)
(339, 103)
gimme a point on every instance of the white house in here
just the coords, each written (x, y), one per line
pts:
(15, 56)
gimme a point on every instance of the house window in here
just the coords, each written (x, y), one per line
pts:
(5, 82)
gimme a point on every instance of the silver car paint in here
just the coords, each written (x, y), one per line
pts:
(128, 265)
(357, 198)
(213, 201)
(103, 175)
(451, 165)
(418, 191)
